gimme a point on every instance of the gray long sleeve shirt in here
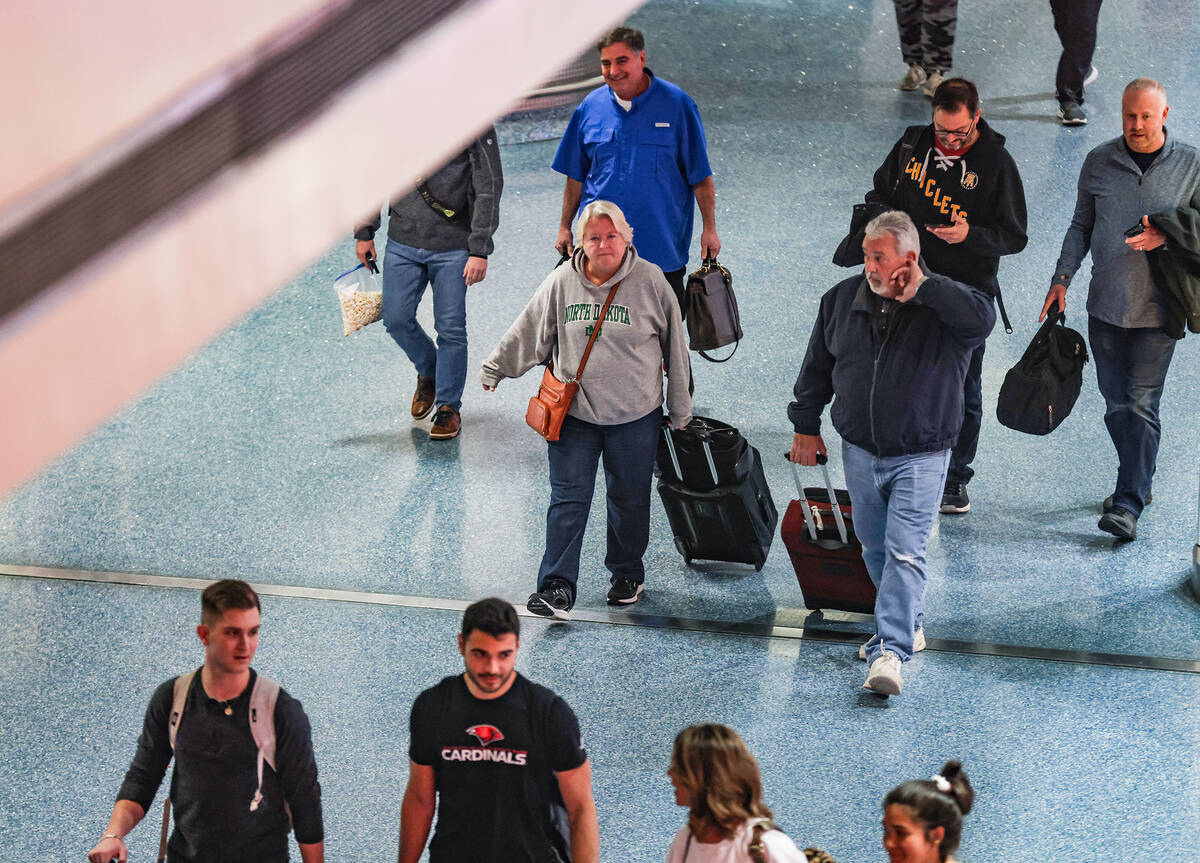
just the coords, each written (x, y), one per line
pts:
(470, 184)
(622, 381)
(1113, 195)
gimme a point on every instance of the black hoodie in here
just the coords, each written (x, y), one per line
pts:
(983, 183)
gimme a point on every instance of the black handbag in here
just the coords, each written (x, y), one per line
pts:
(849, 251)
(1040, 390)
(712, 311)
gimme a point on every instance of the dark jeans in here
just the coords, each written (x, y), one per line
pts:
(1131, 368)
(628, 451)
(1075, 22)
(968, 436)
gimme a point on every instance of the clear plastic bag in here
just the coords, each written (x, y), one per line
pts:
(361, 296)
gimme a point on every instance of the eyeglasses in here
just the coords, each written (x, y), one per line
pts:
(952, 134)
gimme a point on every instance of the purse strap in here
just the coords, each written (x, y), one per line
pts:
(595, 332)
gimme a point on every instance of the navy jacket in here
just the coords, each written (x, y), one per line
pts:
(903, 396)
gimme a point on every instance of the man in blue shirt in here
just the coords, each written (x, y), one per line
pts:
(639, 142)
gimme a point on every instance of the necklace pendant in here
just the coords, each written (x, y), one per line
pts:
(228, 710)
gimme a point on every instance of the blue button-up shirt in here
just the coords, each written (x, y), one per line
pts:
(645, 160)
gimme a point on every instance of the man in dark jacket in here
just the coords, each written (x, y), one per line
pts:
(439, 234)
(962, 189)
(891, 347)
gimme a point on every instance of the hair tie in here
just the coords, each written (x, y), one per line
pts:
(942, 783)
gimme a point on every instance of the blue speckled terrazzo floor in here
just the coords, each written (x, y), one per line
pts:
(1054, 749)
(283, 453)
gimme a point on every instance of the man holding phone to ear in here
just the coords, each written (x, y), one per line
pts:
(1123, 184)
(962, 188)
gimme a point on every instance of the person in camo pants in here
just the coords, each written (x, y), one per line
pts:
(926, 41)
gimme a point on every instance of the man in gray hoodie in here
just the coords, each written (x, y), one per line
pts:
(439, 234)
(1124, 182)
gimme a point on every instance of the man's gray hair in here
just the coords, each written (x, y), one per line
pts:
(1147, 84)
(899, 226)
(595, 210)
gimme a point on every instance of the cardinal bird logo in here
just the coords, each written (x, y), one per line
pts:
(485, 734)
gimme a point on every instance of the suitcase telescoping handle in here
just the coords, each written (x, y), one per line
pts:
(823, 461)
(712, 465)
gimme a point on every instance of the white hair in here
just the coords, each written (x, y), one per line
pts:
(899, 226)
(597, 209)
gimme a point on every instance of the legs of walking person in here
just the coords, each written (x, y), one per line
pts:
(629, 451)
(675, 279)
(573, 458)
(1131, 370)
(908, 22)
(405, 276)
(939, 20)
(968, 436)
(909, 488)
(1075, 23)
(450, 323)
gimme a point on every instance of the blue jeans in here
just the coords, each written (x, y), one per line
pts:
(406, 272)
(968, 436)
(628, 450)
(1131, 368)
(895, 501)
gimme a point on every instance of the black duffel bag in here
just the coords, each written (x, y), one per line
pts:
(1040, 390)
(706, 454)
(712, 312)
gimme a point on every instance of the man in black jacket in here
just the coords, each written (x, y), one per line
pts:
(962, 189)
(891, 347)
(439, 234)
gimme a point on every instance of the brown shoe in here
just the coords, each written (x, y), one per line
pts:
(423, 398)
(446, 424)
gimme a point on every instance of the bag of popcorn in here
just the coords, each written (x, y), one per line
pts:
(361, 296)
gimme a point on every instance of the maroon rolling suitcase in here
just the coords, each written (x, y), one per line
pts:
(825, 553)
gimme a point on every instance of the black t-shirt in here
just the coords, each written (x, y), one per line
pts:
(494, 763)
(1142, 160)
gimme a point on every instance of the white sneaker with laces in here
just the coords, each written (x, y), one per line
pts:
(884, 676)
(918, 645)
(932, 83)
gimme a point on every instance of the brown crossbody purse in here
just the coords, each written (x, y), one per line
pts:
(548, 408)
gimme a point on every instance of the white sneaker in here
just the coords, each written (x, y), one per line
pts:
(884, 676)
(932, 83)
(914, 79)
(918, 645)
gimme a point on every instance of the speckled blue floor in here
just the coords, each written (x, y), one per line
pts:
(284, 453)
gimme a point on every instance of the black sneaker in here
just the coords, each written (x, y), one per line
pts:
(954, 498)
(1120, 522)
(625, 591)
(554, 601)
(1071, 114)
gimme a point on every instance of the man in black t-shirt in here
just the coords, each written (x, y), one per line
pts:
(500, 756)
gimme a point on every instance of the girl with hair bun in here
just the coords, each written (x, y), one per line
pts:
(922, 818)
(717, 778)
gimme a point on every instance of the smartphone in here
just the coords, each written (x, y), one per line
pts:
(930, 226)
(1139, 228)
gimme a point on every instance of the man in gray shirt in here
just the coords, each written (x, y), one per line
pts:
(439, 234)
(1122, 184)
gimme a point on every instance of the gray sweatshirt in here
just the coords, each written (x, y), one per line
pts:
(622, 381)
(1113, 196)
(470, 184)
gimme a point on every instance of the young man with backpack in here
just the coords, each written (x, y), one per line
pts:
(244, 768)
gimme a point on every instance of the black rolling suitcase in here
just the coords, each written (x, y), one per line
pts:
(733, 522)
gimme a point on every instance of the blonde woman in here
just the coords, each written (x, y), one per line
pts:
(617, 413)
(717, 779)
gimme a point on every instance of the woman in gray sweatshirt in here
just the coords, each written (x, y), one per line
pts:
(617, 412)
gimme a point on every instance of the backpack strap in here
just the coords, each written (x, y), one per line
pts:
(262, 728)
(183, 683)
(757, 849)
